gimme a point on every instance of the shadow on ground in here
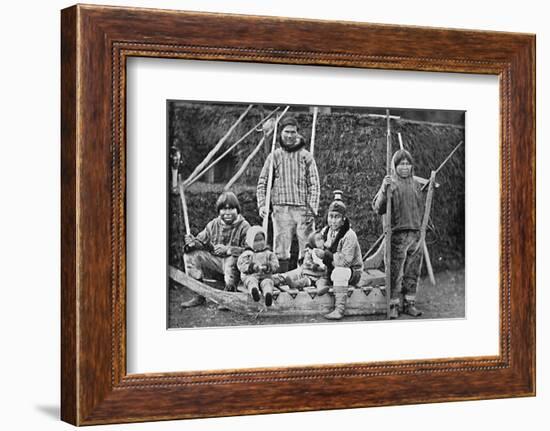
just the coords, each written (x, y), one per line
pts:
(51, 411)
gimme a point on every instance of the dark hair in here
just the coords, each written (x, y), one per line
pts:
(337, 204)
(402, 154)
(228, 200)
(287, 120)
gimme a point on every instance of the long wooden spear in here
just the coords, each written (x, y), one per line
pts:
(388, 214)
(214, 150)
(192, 180)
(270, 174)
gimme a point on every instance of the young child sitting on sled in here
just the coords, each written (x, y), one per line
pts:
(312, 271)
(407, 203)
(257, 265)
(314, 254)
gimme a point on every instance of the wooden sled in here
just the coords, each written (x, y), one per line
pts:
(367, 298)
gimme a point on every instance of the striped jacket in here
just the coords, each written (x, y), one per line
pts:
(295, 180)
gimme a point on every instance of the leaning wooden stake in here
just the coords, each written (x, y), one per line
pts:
(423, 228)
(444, 162)
(192, 180)
(184, 208)
(388, 214)
(185, 216)
(270, 174)
(374, 246)
(214, 150)
(428, 263)
(400, 141)
(245, 164)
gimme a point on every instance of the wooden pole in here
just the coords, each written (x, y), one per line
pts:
(393, 117)
(388, 214)
(174, 182)
(245, 164)
(312, 143)
(424, 226)
(428, 263)
(184, 209)
(192, 180)
(265, 222)
(444, 162)
(374, 246)
(214, 150)
(431, 184)
(448, 157)
(374, 260)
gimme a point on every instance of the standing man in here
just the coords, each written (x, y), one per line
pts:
(295, 192)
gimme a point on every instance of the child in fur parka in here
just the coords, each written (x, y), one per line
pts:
(406, 220)
(257, 265)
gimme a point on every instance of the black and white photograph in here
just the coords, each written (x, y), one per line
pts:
(298, 214)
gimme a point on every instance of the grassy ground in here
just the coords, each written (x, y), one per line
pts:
(445, 300)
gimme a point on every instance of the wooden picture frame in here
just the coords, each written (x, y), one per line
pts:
(95, 43)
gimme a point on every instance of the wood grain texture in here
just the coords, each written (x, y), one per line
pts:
(68, 218)
(96, 41)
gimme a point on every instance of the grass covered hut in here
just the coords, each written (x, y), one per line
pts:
(350, 152)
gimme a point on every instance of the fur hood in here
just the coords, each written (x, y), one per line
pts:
(251, 234)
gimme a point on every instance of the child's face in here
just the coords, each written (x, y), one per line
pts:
(228, 215)
(335, 220)
(319, 241)
(404, 168)
(259, 241)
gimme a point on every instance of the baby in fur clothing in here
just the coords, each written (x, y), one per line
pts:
(257, 265)
(312, 271)
(314, 255)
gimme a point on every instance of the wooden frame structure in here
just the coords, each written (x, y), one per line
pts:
(96, 42)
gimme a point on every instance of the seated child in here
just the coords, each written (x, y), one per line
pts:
(314, 254)
(312, 272)
(257, 265)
